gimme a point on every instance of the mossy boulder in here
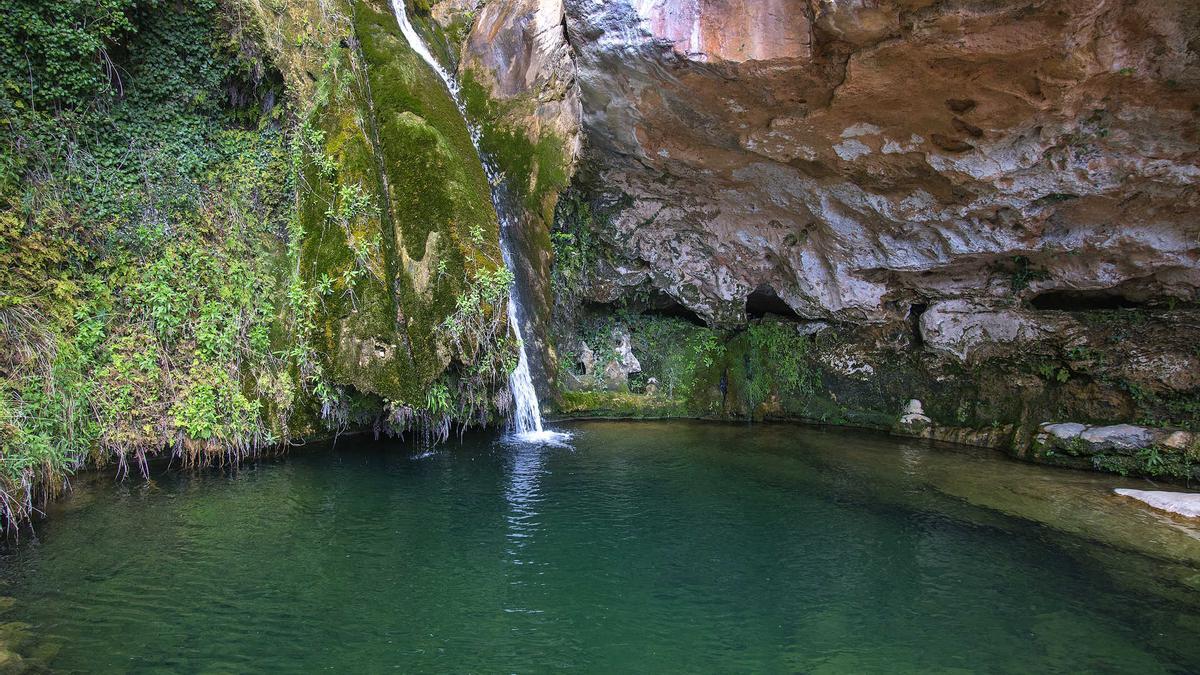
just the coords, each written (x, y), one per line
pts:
(396, 208)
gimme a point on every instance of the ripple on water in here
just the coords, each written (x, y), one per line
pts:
(654, 547)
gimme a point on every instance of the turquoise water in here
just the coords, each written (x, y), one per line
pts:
(649, 547)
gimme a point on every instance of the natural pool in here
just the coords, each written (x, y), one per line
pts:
(646, 547)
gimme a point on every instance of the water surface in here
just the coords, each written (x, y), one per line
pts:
(648, 547)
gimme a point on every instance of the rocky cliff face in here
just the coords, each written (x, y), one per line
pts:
(857, 157)
(979, 190)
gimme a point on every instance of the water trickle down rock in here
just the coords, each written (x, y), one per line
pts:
(527, 415)
(854, 154)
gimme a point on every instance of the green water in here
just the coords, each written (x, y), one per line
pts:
(651, 547)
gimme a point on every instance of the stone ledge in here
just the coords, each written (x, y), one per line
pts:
(1085, 439)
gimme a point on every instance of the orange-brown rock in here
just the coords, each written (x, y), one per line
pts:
(861, 156)
(857, 155)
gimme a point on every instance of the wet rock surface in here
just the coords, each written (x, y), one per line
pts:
(856, 157)
(1180, 503)
(519, 49)
(1118, 437)
(914, 420)
(607, 371)
(989, 207)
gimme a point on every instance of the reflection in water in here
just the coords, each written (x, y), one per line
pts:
(656, 547)
(523, 496)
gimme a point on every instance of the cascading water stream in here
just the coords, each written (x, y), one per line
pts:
(527, 414)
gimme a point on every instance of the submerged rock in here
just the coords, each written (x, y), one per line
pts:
(1180, 503)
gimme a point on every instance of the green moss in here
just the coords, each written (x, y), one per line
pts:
(767, 372)
(619, 404)
(444, 43)
(213, 285)
(764, 371)
(392, 131)
(459, 29)
(143, 307)
(1154, 462)
(537, 170)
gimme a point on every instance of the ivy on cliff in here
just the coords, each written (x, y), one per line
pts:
(145, 203)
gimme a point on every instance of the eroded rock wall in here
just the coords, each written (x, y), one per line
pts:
(861, 156)
(990, 206)
(519, 82)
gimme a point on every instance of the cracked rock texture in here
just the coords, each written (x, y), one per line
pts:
(859, 156)
(520, 49)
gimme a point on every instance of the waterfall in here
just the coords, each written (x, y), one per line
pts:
(527, 414)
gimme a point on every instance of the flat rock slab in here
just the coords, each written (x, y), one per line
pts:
(1119, 437)
(1065, 431)
(1180, 503)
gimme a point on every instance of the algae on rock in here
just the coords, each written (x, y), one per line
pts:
(262, 221)
(389, 138)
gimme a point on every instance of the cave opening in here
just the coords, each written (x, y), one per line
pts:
(1083, 301)
(662, 304)
(764, 300)
(659, 304)
(914, 319)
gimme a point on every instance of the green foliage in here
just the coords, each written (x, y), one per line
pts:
(1023, 272)
(576, 251)
(1117, 464)
(478, 331)
(675, 353)
(670, 350)
(56, 55)
(437, 401)
(1052, 372)
(1076, 446)
(768, 360)
(479, 311)
(145, 212)
(620, 404)
(1086, 355)
(781, 350)
(1152, 461)
(397, 224)
(181, 254)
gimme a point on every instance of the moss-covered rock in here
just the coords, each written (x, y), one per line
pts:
(396, 208)
(274, 224)
(778, 369)
(535, 168)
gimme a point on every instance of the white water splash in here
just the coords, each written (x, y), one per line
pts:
(527, 414)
